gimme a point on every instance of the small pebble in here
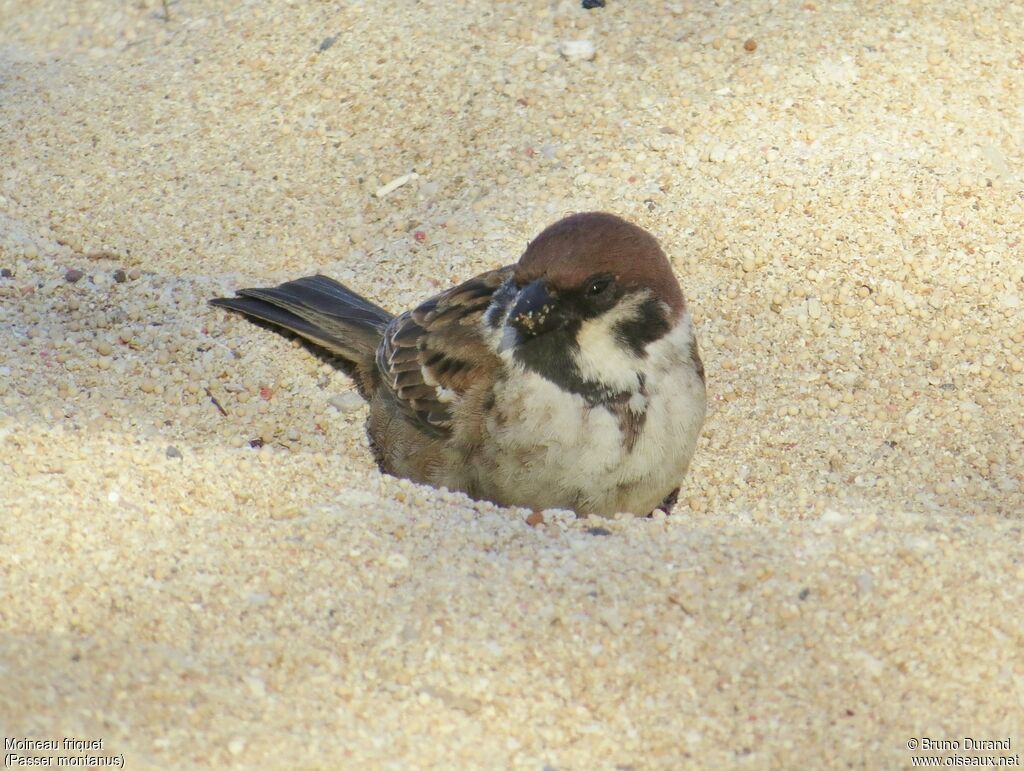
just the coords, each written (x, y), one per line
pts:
(73, 275)
(6, 273)
(385, 190)
(577, 50)
(120, 276)
(103, 348)
(750, 45)
(172, 451)
(535, 518)
(599, 531)
(397, 561)
(591, 4)
(346, 402)
(291, 511)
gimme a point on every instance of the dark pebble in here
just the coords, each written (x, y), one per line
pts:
(256, 443)
(173, 452)
(73, 276)
(6, 273)
(599, 531)
(326, 43)
(588, 4)
(804, 593)
(120, 276)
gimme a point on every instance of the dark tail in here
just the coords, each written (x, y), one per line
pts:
(322, 311)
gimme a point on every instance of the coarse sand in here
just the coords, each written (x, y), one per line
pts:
(199, 562)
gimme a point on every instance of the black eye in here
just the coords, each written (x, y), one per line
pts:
(598, 286)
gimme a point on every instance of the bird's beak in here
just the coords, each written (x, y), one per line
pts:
(534, 311)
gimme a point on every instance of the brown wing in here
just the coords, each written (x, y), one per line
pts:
(430, 356)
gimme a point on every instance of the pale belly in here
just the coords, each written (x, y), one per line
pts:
(552, 450)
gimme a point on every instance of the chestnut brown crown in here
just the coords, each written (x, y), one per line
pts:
(579, 246)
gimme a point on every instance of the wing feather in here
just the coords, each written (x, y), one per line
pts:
(431, 356)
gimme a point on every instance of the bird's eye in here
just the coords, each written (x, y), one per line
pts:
(598, 286)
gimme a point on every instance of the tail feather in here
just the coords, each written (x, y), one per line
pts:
(321, 310)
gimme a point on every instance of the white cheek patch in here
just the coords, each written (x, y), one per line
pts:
(601, 357)
(674, 347)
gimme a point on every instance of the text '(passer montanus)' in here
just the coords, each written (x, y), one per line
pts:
(569, 380)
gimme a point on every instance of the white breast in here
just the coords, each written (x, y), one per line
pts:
(548, 448)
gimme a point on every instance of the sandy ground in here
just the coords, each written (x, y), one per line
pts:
(840, 188)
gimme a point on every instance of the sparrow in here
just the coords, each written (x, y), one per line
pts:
(570, 380)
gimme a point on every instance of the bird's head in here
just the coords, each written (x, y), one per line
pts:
(587, 298)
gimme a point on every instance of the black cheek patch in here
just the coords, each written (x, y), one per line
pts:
(646, 325)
